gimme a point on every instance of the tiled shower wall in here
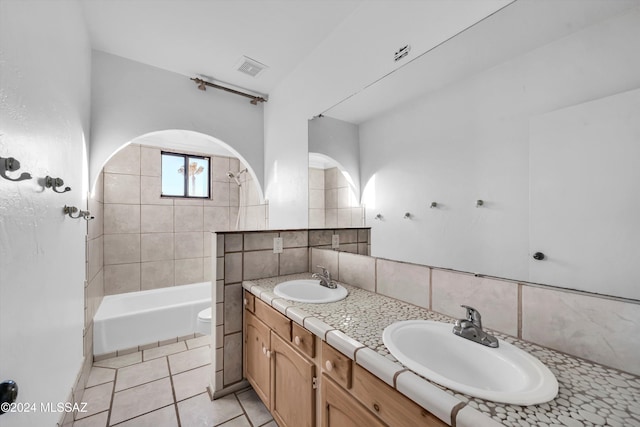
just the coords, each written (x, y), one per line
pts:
(597, 328)
(249, 255)
(153, 242)
(331, 201)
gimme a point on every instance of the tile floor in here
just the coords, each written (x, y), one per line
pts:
(165, 387)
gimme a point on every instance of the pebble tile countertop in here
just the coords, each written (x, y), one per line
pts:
(589, 394)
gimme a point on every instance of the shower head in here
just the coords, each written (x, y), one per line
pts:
(233, 176)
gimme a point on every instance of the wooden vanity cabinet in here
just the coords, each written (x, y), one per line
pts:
(257, 365)
(340, 409)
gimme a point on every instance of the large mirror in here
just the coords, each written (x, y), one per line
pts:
(513, 147)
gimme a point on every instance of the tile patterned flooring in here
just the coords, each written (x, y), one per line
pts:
(165, 387)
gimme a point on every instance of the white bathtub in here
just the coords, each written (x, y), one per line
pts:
(138, 318)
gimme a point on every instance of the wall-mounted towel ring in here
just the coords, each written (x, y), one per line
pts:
(69, 210)
(11, 165)
(54, 183)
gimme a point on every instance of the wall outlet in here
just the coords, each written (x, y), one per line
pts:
(277, 245)
(335, 241)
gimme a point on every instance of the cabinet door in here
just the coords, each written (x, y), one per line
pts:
(292, 390)
(257, 356)
(342, 410)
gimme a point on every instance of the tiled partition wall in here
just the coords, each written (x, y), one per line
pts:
(153, 242)
(331, 201)
(93, 292)
(249, 255)
(600, 329)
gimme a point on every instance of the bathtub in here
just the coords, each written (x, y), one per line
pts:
(138, 318)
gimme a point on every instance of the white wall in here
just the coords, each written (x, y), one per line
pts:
(130, 99)
(340, 141)
(358, 52)
(44, 109)
(470, 141)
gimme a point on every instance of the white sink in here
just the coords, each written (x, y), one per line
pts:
(310, 291)
(505, 374)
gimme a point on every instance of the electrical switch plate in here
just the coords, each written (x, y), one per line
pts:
(277, 245)
(335, 241)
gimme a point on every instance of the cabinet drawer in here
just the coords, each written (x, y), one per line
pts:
(389, 404)
(336, 365)
(303, 340)
(275, 320)
(249, 301)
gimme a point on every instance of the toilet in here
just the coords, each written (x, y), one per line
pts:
(203, 324)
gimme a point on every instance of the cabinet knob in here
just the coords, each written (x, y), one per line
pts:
(296, 340)
(245, 302)
(376, 407)
(328, 365)
(268, 354)
(264, 350)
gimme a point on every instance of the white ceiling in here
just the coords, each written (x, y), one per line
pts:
(209, 37)
(353, 40)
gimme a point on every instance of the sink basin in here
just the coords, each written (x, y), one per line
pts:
(310, 291)
(505, 374)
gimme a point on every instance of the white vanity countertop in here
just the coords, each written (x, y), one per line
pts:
(589, 394)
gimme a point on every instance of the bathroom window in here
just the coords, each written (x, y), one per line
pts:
(185, 175)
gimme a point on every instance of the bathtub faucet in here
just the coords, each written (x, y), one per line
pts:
(325, 278)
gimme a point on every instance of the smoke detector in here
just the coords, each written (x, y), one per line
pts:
(250, 66)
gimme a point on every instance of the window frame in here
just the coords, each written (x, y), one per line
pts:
(185, 158)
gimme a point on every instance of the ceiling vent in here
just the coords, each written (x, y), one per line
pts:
(250, 66)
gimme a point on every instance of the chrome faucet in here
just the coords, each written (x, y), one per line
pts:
(325, 278)
(471, 328)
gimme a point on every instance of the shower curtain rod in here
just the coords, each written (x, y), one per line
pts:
(202, 84)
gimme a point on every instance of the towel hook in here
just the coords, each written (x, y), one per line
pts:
(434, 205)
(407, 215)
(69, 210)
(54, 183)
(11, 165)
(378, 217)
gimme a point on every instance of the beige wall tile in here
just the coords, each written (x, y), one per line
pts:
(121, 278)
(357, 217)
(331, 178)
(120, 188)
(320, 237)
(598, 329)
(344, 217)
(357, 270)
(256, 218)
(348, 236)
(156, 219)
(206, 244)
(126, 160)
(206, 268)
(216, 218)
(95, 227)
(219, 169)
(233, 308)
(95, 257)
(188, 202)
(121, 218)
(406, 282)
(233, 267)
(363, 235)
(316, 218)
(496, 300)
(156, 247)
(98, 189)
(316, 199)
(150, 191)
(349, 247)
(189, 271)
(326, 258)
(189, 245)
(259, 264)
(150, 161)
(295, 239)
(188, 218)
(220, 194)
(220, 268)
(331, 198)
(232, 358)
(344, 197)
(234, 194)
(259, 241)
(316, 178)
(295, 260)
(233, 242)
(121, 248)
(331, 218)
(157, 274)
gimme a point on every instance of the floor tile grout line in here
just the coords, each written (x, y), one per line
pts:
(113, 394)
(140, 415)
(244, 411)
(173, 393)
